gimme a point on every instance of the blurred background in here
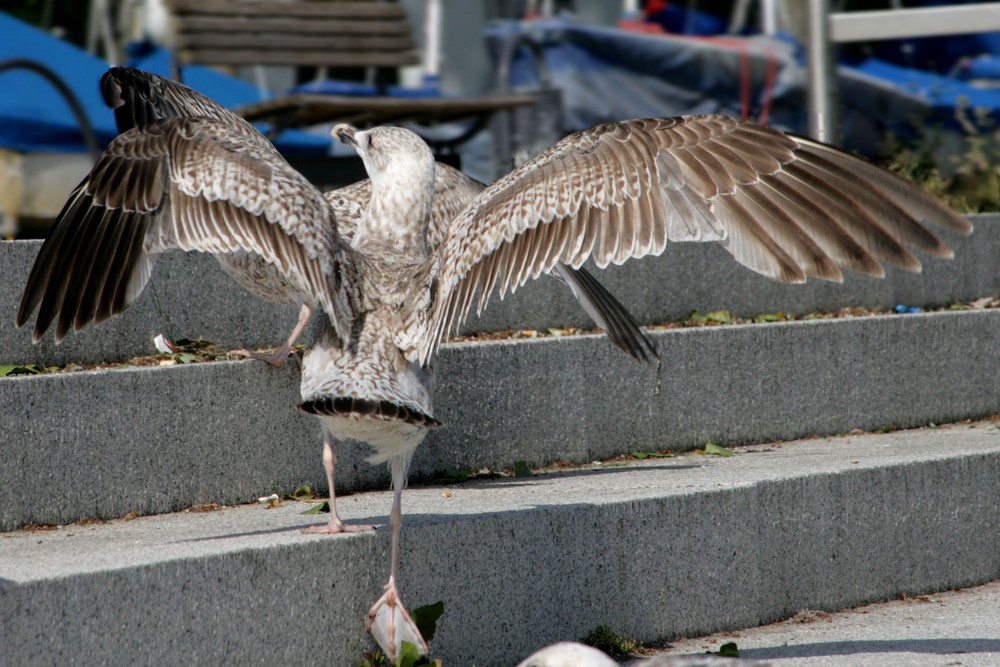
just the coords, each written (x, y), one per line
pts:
(925, 106)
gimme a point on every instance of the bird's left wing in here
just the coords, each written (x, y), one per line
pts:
(453, 191)
(785, 206)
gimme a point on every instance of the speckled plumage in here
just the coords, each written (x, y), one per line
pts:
(172, 180)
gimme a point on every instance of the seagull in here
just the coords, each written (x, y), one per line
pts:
(784, 206)
(185, 173)
(381, 304)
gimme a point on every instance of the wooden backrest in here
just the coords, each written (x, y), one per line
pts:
(331, 33)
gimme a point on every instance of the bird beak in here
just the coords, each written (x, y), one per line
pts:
(344, 133)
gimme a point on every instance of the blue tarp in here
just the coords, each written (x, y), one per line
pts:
(34, 117)
(609, 74)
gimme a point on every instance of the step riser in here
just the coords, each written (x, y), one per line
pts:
(228, 432)
(652, 569)
(202, 301)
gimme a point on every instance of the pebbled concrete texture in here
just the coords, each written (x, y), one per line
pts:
(949, 628)
(228, 432)
(200, 300)
(656, 549)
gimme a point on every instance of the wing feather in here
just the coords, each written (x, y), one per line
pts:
(187, 183)
(784, 206)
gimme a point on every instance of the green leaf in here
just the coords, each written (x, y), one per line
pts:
(769, 317)
(185, 357)
(316, 509)
(604, 638)
(409, 655)
(426, 618)
(640, 455)
(304, 492)
(720, 316)
(712, 449)
(729, 650)
(27, 369)
(521, 469)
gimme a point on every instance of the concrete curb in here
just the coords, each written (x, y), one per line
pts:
(656, 550)
(105, 443)
(200, 300)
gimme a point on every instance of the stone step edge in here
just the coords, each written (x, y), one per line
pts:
(103, 444)
(656, 550)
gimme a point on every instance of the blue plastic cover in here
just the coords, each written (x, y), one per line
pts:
(34, 116)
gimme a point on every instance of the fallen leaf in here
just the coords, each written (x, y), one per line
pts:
(712, 449)
(316, 509)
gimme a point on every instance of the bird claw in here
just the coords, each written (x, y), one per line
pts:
(390, 624)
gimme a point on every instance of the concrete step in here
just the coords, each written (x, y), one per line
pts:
(655, 549)
(190, 296)
(149, 440)
(948, 628)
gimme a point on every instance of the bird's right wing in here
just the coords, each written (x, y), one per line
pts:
(192, 184)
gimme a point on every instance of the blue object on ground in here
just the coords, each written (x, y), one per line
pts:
(34, 117)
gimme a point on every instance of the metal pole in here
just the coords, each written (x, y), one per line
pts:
(769, 16)
(820, 72)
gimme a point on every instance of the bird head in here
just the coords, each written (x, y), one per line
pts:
(390, 153)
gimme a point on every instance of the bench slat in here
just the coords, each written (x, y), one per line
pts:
(272, 42)
(294, 58)
(372, 10)
(229, 24)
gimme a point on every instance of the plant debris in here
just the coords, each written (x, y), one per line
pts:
(199, 350)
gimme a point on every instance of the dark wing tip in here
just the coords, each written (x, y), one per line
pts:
(609, 314)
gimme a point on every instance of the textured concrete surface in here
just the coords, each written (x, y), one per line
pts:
(656, 549)
(952, 628)
(161, 439)
(200, 300)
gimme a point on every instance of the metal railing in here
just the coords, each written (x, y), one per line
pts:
(827, 29)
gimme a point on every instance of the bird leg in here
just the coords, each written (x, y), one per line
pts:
(335, 525)
(279, 357)
(388, 621)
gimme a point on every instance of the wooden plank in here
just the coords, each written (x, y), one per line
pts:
(373, 10)
(309, 109)
(298, 42)
(293, 58)
(221, 24)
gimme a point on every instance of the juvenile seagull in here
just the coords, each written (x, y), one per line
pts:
(784, 206)
(186, 173)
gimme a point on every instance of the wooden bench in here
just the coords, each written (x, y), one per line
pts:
(321, 33)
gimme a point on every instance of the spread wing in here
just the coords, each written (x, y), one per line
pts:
(139, 98)
(192, 184)
(785, 206)
(453, 191)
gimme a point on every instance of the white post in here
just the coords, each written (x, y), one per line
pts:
(432, 46)
(820, 70)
